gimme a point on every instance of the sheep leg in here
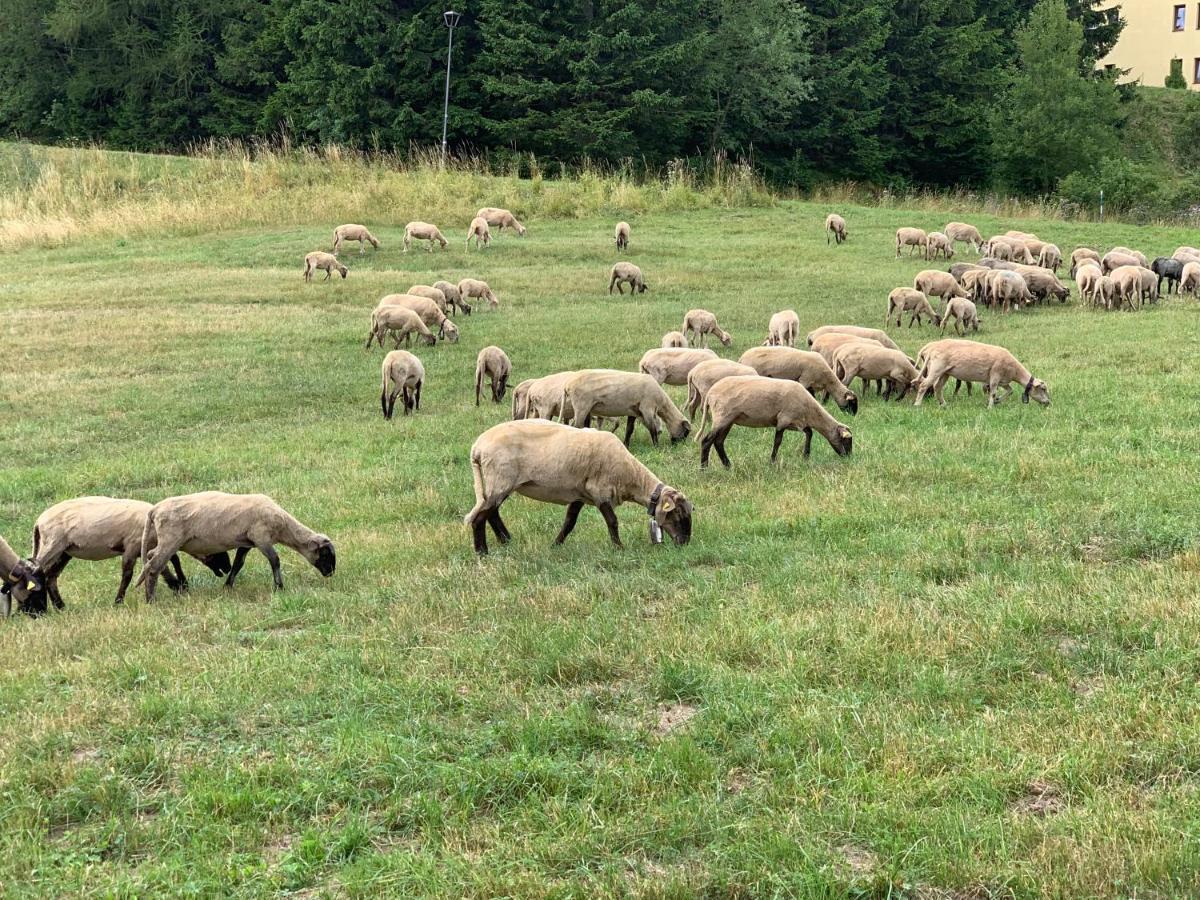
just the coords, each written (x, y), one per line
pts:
(479, 532)
(181, 582)
(52, 573)
(807, 441)
(328, 274)
(273, 558)
(610, 519)
(498, 526)
(128, 561)
(630, 423)
(718, 440)
(778, 442)
(939, 387)
(239, 559)
(569, 522)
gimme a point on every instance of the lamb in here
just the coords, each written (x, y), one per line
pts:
(1115, 259)
(902, 300)
(1050, 258)
(627, 273)
(671, 365)
(698, 324)
(428, 311)
(783, 329)
(804, 366)
(674, 339)
(634, 396)
(557, 464)
(319, 259)
(970, 361)
(871, 362)
(873, 334)
(501, 218)
(213, 523)
(936, 243)
(836, 226)
(756, 402)
(401, 321)
(21, 580)
(621, 235)
(431, 293)
(1136, 254)
(998, 249)
(1190, 279)
(1104, 289)
(353, 233)
(97, 528)
(1170, 269)
(964, 314)
(961, 231)
(479, 231)
(493, 364)
(933, 283)
(1079, 254)
(405, 375)
(708, 373)
(473, 287)
(452, 295)
(423, 231)
(912, 238)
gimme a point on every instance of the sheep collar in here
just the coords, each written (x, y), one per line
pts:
(652, 506)
(1028, 388)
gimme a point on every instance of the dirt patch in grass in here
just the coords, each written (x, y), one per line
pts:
(673, 716)
(1040, 799)
(860, 860)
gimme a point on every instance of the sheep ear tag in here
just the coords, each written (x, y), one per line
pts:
(667, 506)
(30, 586)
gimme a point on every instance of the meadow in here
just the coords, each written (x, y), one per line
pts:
(962, 662)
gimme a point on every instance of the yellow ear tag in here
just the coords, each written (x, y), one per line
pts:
(667, 506)
(31, 586)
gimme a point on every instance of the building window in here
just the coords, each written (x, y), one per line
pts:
(1198, 17)
(1196, 74)
(1180, 18)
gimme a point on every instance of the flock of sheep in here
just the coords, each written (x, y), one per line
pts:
(776, 385)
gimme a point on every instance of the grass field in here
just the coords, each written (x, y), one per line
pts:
(963, 662)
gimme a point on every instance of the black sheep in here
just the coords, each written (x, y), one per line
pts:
(1168, 268)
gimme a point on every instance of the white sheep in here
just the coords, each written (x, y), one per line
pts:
(353, 233)
(1080, 254)
(674, 339)
(970, 361)
(698, 324)
(319, 259)
(404, 374)
(964, 314)
(501, 219)
(804, 366)
(913, 238)
(705, 375)
(480, 232)
(871, 362)
(836, 226)
(670, 365)
(1191, 278)
(558, 464)
(627, 273)
(633, 396)
(1050, 258)
(401, 322)
(429, 312)
(873, 334)
(473, 287)
(961, 231)
(423, 231)
(437, 295)
(621, 235)
(452, 295)
(936, 243)
(783, 329)
(492, 363)
(933, 283)
(910, 300)
(212, 522)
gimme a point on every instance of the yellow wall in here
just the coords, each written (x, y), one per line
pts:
(1148, 42)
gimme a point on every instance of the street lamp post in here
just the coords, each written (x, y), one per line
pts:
(450, 17)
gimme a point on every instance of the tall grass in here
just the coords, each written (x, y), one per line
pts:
(54, 195)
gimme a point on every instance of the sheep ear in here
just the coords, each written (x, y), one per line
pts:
(667, 505)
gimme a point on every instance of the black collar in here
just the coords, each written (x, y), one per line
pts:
(1028, 388)
(654, 498)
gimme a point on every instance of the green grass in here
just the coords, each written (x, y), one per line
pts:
(885, 655)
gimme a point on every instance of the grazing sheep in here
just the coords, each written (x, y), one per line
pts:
(964, 314)
(836, 226)
(452, 295)
(1170, 269)
(1136, 254)
(871, 362)
(493, 364)
(1104, 289)
(970, 361)
(933, 283)
(1041, 283)
(827, 343)
(1190, 279)
(902, 300)
(630, 395)
(975, 283)
(20, 580)
(627, 273)
(437, 295)
(873, 334)
(1129, 284)
(1186, 255)
(936, 243)
(708, 373)
(804, 366)
(405, 375)
(961, 231)
(423, 231)
(1011, 248)
(97, 528)
(698, 324)
(213, 523)
(500, 218)
(401, 322)
(959, 270)
(479, 231)
(557, 464)
(1079, 255)
(473, 287)
(544, 397)
(670, 365)
(783, 329)
(1008, 289)
(621, 235)
(674, 339)
(429, 312)
(353, 233)
(1086, 277)
(756, 402)
(319, 259)
(1115, 259)
(1050, 258)
(912, 238)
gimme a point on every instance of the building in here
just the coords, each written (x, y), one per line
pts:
(1157, 32)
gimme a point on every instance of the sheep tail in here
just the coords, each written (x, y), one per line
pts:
(37, 542)
(480, 487)
(149, 540)
(478, 383)
(704, 417)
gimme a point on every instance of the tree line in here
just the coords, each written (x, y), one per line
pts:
(914, 92)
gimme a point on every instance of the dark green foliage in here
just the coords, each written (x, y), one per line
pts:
(1175, 79)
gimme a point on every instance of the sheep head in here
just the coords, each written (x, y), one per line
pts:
(342, 270)
(26, 584)
(1037, 390)
(449, 331)
(679, 430)
(673, 513)
(842, 440)
(726, 339)
(319, 551)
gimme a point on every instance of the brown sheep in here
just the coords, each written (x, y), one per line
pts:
(698, 324)
(319, 259)
(836, 226)
(912, 238)
(493, 364)
(970, 361)
(902, 300)
(405, 375)
(804, 366)
(705, 375)
(629, 395)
